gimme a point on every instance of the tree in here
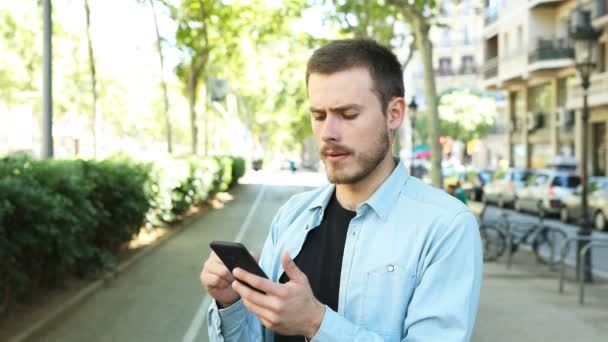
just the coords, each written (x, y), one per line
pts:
(465, 115)
(163, 82)
(421, 16)
(211, 33)
(96, 113)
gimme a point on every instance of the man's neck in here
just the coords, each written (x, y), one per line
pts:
(351, 195)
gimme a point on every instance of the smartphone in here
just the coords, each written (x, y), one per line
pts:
(234, 254)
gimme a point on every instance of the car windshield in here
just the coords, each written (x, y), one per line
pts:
(521, 176)
(566, 181)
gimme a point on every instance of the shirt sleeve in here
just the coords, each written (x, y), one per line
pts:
(444, 304)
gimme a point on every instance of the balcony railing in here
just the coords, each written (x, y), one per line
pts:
(600, 8)
(444, 72)
(490, 68)
(548, 49)
(468, 70)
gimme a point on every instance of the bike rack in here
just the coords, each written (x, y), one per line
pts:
(564, 248)
(581, 270)
(538, 226)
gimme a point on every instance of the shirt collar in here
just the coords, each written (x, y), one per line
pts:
(381, 201)
(384, 198)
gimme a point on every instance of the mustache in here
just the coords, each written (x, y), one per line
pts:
(336, 148)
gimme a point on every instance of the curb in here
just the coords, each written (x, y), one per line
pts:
(69, 305)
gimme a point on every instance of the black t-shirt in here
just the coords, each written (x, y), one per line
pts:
(321, 258)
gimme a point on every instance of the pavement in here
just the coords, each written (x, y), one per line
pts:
(159, 298)
(522, 304)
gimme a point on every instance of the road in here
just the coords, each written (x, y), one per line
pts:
(160, 299)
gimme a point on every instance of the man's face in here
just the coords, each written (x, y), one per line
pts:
(348, 124)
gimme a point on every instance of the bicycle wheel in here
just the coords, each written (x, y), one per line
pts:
(546, 245)
(493, 242)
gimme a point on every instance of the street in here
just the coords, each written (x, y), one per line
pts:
(160, 298)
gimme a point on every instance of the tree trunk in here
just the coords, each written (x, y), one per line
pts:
(97, 120)
(192, 87)
(421, 30)
(163, 83)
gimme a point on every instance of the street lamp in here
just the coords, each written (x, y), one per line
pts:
(585, 45)
(412, 109)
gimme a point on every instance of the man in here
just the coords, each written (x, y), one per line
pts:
(377, 255)
(456, 191)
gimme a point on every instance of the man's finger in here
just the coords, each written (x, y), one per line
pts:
(215, 281)
(291, 269)
(258, 282)
(264, 300)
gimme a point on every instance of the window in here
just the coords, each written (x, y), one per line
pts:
(445, 38)
(566, 181)
(602, 57)
(467, 35)
(520, 39)
(445, 66)
(467, 65)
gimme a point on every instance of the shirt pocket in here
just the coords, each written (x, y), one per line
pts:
(388, 291)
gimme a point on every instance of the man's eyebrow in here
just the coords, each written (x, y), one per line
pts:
(341, 108)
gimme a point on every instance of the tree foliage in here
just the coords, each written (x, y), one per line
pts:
(466, 115)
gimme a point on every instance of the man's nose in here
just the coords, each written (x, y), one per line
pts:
(332, 128)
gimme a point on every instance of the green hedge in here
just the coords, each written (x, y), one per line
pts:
(60, 218)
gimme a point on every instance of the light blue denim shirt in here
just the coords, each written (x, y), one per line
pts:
(411, 270)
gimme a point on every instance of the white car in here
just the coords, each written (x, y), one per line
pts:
(545, 190)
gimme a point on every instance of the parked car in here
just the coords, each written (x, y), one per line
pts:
(598, 209)
(501, 190)
(545, 190)
(571, 204)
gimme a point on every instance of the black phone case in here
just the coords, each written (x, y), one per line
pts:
(234, 254)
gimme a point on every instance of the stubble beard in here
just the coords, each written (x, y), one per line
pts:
(366, 162)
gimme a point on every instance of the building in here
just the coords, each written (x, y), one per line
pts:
(529, 55)
(457, 57)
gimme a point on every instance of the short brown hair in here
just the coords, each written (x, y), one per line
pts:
(382, 64)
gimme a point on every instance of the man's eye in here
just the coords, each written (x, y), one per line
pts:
(351, 116)
(318, 117)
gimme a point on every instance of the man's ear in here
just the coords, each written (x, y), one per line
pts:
(395, 113)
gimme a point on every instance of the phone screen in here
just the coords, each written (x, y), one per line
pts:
(234, 254)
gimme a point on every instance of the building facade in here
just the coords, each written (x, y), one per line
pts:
(528, 54)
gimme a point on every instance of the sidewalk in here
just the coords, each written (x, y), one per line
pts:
(522, 304)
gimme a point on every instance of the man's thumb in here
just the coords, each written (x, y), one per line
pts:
(291, 269)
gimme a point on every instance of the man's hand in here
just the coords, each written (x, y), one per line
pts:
(216, 279)
(288, 309)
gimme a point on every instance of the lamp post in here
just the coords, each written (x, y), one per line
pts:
(412, 109)
(585, 45)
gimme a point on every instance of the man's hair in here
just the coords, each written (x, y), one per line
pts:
(382, 64)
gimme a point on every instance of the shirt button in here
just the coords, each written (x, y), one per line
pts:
(390, 268)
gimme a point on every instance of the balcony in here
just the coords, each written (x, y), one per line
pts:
(441, 72)
(597, 92)
(490, 68)
(548, 49)
(600, 13)
(543, 3)
(468, 70)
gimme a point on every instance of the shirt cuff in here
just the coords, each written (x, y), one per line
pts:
(232, 317)
(334, 327)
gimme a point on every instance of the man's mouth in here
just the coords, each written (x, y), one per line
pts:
(336, 156)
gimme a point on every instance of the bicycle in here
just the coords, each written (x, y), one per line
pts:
(542, 239)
